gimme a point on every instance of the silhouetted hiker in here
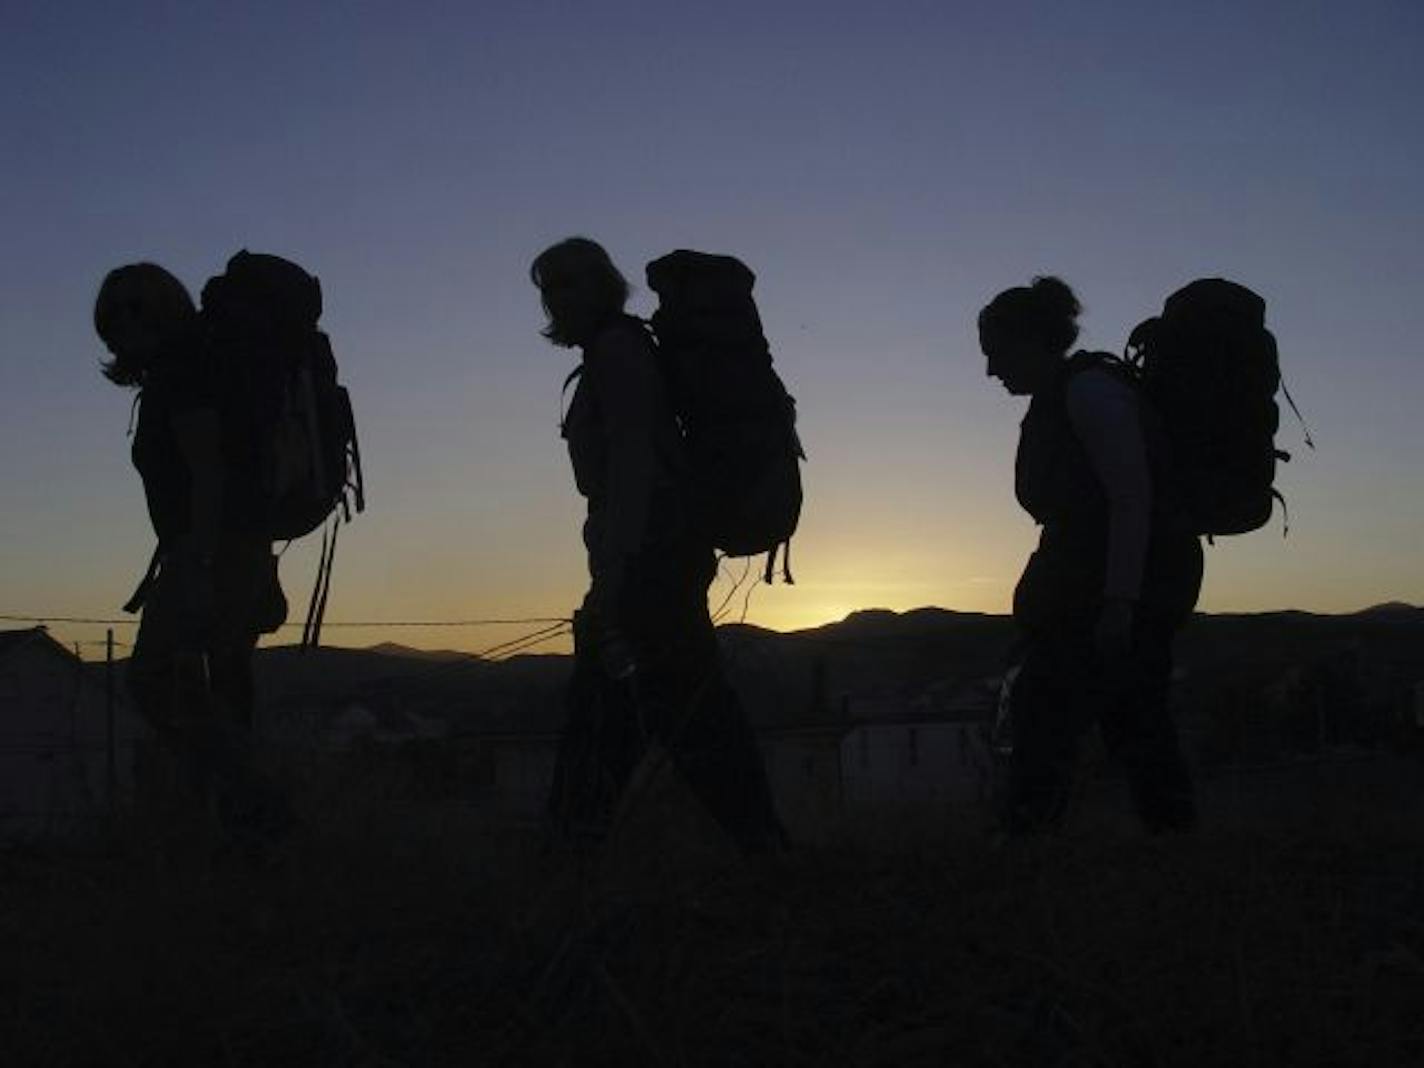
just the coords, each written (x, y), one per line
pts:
(211, 587)
(646, 662)
(1117, 569)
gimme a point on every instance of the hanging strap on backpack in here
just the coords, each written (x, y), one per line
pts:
(325, 588)
(1299, 418)
(1285, 511)
(316, 607)
(1284, 456)
(315, 594)
(769, 576)
(357, 480)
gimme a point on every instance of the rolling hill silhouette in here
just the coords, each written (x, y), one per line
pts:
(799, 677)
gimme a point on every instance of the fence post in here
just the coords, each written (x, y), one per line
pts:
(109, 718)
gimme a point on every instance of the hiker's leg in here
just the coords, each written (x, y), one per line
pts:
(1139, 729)
(714, 748)
(253, 806)
(1144, 733)
(694, 712)
(149, 678)
(1052, 704)
(1053, 697)
(166, 680)
(245, 586)
(599, 747)
(230, 675)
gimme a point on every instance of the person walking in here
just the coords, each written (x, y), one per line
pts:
(646, 662)
(211, 587)
(1116, 572)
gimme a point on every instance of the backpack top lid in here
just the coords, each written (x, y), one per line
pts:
(263, 293)
(705, 300)
(699, 276)
(1216, 304)
(1212, 306)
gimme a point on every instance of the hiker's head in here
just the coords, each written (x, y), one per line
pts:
(1026, 331)
(580, 289)
(140, 308)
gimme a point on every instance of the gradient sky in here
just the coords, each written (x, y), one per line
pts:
(884, 167)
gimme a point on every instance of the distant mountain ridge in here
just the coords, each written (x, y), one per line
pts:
(805, 676)
(1391, 608)
(409, 653)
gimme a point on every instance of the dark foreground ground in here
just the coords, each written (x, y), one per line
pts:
(1290, 931)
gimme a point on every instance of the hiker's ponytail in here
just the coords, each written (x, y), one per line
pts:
(1057, 311)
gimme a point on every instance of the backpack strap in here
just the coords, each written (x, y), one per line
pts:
(573, 376)
(357, 481)
(1126, 369)
(325, 588)
(315, 594)
(769, 575)
(145, 585)
(316, 607)
(1299, 418)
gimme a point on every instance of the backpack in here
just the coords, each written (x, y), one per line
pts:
(738, 421)
(288, 428)
(290, 424)
(1211, 370)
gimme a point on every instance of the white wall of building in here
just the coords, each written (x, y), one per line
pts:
(915, 762)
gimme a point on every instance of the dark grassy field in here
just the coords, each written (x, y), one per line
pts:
(1290, 931)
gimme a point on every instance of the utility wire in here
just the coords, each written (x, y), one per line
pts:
(509, 654)
(465, 660)
(131, 621)
(543, 635)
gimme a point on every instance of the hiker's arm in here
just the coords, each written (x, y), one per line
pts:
(1104, 413)
(198, 434)
(630, 398)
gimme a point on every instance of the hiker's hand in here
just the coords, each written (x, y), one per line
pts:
(1112, 637)
(604, 595)
(615, 655)
(615, 652)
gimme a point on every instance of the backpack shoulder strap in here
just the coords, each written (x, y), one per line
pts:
(1087, 361)
(573, 376)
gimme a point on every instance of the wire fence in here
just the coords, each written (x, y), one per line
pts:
(543, 631)
(133, 621)
(549, 628)
(536, 632)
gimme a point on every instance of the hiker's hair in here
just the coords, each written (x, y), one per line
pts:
(578, 255)
(1046, 309)
(145, 291)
